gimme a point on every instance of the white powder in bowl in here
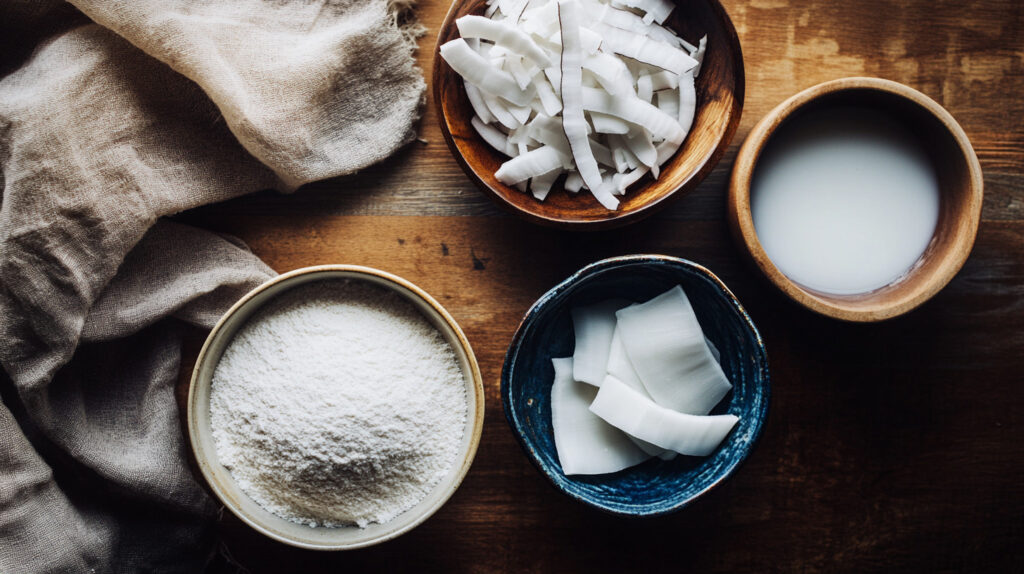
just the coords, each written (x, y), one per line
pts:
(338, 403)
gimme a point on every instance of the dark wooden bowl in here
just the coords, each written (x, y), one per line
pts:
(961, 190)
(719, 105)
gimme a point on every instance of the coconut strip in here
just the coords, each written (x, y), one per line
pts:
(605, 124)
(639, 142)
(699, 55)
(654, 10)
(638, 416)
(602, 154)
(476, 70)
(500, 111)
(540, 185)
(504, 35)
(573, 122)
(668, 102)
(492, 136)
(635, 111)
(530, 164)
(573, 182)
(549, 101)
(644, 49)
(624, 180)
(476, 100)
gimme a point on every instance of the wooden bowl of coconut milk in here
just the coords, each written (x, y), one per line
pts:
(858, 198)
(295, 393)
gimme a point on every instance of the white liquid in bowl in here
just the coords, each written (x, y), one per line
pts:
(844, 200)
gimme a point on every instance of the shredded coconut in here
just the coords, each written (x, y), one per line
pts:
(338, 403)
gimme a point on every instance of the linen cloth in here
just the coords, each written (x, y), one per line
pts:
(111, 118)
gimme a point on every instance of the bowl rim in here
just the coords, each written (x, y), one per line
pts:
(465, 460)
(615, 218)
(638, 259)
(742, 222)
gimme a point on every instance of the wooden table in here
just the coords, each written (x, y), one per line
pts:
(888, 447)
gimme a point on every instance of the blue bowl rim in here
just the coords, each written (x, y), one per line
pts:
(568, 283)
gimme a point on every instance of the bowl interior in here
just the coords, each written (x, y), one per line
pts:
(960, 195)
(720, 88)
(220, 479)
(656, 486)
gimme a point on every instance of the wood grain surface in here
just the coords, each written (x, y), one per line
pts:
(889, 448)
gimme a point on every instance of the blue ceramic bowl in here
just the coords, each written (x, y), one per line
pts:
(656, 486)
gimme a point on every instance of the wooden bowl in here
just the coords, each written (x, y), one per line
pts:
(719, 104)
(220, 479)
(960, 196)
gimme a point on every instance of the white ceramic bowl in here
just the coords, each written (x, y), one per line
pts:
(220, 479)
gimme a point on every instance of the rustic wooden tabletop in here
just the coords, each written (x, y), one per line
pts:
(889, 447)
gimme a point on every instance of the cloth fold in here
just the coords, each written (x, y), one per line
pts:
(111, 119)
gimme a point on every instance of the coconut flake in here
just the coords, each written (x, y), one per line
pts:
(530, 164)
(638, 416)
(584, 442)
(476, 70)
(665, 343)
(504, 35)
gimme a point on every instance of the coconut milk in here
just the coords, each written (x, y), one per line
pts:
(844, 200)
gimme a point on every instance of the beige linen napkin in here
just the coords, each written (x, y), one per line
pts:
(105, 127)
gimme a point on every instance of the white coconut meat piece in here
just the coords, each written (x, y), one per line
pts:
(617, 146)
(620, 368)
(638, 416)
(664, 80)
(476, 101)
(509, 8)
(520, 113)
(605, 124)
(554, 76)
(687, 102)
(476, 70)
(593, 327)
(622, 19)
(635, 111)
(540, 185)
(645, 88)
(613, 75)
(654, 10)
(584, 442)
(500, 111)
(573, 182)
(549, 100)
(666, 345)
(644, 49)
(548, 132)
(590, 41)
(639, 142)
(687, 112)
(573, 122)
(520, 73)
(502, 34)
(520, 135)
(530, 164)
(540, 19)
(602, 154)
(622, 181)
(492, 136)
(714, 351)
(621, 148)
(668, 102)
(698, 55)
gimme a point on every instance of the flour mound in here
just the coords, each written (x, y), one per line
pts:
(338, 404)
